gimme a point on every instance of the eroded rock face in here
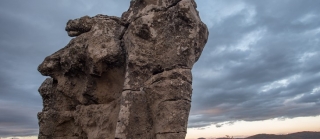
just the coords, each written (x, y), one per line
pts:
(125, 78)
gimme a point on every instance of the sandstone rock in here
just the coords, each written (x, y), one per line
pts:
(125, 78)
(87, 79)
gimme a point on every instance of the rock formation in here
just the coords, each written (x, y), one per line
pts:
(124, 78)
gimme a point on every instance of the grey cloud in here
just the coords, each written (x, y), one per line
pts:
(17, 119)
(273, 77)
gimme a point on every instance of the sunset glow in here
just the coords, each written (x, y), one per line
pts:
(245, 129)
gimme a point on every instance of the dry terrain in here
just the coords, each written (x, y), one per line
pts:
(298, 135)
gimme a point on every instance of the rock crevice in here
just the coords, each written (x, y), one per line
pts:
(125, 78)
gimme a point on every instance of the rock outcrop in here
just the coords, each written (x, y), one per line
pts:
(124, 78)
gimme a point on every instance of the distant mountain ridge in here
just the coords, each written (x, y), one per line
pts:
(298, 135)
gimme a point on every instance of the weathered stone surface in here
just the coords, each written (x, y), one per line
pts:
(97, 121)
(87, 79)
(125, 78)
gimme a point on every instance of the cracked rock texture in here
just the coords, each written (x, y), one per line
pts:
(124, 78)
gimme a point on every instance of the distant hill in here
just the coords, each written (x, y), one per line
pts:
(271, 136)
(298, 135)
(307, 135)
(228, 138)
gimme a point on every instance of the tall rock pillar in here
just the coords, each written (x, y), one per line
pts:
(124, 78)
(163, 41)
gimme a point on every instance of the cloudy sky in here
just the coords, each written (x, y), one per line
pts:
(261, 61)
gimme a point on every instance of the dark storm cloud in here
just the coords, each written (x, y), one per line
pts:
(260, 62)
(30, 31)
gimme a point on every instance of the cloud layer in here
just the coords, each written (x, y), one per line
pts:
(260, 62)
